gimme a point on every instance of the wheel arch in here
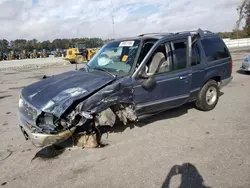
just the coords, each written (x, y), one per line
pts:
(215, 78)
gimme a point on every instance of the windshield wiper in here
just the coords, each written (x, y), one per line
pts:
(104, 70)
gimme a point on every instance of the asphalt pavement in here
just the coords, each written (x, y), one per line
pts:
(181, 147)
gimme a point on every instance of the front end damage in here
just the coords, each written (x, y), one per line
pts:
(81, 119)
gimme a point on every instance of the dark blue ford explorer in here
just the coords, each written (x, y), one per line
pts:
(125, 81)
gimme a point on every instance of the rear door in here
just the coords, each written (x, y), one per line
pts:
(197, 66)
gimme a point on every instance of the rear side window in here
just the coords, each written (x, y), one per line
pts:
(195, 60)
(215, 49)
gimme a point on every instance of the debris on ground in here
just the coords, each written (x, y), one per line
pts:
(84, 140)
(4, 183)
(4, 154)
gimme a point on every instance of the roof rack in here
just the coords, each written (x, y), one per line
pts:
(154, 34)
(196, 32)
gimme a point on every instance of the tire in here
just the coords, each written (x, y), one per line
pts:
(79, 59)
(208, 96)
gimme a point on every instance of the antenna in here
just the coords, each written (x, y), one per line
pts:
(77, 35)
(77, 38)
(112, 16)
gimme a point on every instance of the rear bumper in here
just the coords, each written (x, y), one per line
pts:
(42, 139)
(225, 82)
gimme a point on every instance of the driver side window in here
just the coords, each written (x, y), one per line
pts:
(159, 61)
(168, 57)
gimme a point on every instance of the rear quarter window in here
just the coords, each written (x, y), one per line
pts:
(215, 49)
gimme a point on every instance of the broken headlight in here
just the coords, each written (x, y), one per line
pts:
(49, 123)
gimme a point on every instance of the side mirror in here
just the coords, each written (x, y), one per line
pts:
(149, 83)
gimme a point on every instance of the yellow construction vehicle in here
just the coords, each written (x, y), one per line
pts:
(34, 54)
(79, 53)
(23, 54)
(43, 53)
(13, 55)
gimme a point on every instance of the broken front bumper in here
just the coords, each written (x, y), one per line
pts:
(42, 139)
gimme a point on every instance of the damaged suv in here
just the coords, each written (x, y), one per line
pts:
(126, 80)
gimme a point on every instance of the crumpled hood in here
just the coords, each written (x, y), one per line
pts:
(55, 94)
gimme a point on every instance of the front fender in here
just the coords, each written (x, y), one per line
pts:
(118, 92)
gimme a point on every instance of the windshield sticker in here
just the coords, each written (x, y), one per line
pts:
(127, 43)
(124, 58)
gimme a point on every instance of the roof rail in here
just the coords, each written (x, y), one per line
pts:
(196, 32)
(156, 34)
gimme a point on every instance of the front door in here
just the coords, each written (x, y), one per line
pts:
(172, 75)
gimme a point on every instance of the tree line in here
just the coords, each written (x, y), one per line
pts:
(29, 45)
(243, 11)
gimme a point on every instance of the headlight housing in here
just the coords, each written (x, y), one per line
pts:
(48, 123)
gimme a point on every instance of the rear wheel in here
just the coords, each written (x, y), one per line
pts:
(208, 96)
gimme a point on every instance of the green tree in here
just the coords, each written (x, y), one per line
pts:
(46, 45)
(29, 45)
(4, 45)
(19, 44)
(241, 12)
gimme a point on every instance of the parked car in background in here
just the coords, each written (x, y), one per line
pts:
(127, 79)
(246, 64)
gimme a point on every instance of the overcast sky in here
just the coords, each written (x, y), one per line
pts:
(50, 19)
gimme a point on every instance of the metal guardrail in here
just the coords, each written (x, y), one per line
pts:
(237, 43)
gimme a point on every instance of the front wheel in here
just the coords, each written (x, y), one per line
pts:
(208, 96)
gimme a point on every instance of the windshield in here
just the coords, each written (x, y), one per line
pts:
(79, 46)
(115, 57)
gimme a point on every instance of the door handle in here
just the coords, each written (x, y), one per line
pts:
(183, 77)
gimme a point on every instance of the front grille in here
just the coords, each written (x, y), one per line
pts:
(28, 111)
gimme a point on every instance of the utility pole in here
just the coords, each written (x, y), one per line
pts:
(112, 16)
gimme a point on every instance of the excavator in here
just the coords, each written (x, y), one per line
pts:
(79, 53)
